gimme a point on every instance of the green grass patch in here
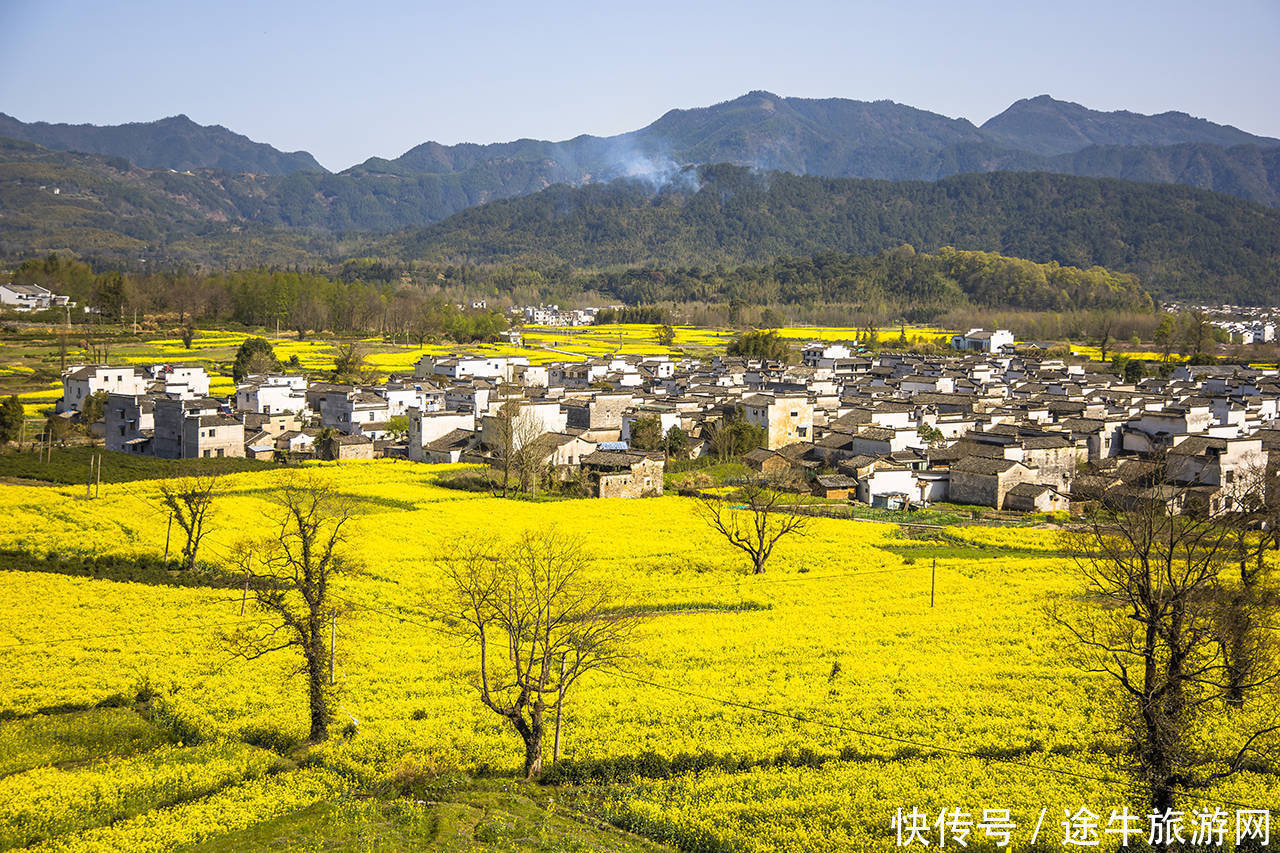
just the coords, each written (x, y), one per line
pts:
(114, 567)
(45, 802)
(676, 607)
(59, 739)
(510, 818)
(70, 466)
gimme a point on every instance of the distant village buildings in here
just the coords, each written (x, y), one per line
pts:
(988, 425)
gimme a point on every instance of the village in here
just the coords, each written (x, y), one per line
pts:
(993, 425)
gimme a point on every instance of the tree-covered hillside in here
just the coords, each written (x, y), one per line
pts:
(1179, 241)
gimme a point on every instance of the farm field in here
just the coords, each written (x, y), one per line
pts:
(795, 710)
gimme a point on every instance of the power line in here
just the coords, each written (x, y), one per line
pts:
(912, 743)
(401, 617)
(200, 627)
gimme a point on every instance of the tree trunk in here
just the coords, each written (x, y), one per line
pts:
(531, 732)
(1235, 652)
(757, 560)
(319, 699)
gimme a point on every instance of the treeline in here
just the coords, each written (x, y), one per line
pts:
(897, 283)
(421, 300)
(303, 302)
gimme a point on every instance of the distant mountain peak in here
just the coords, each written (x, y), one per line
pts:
(174, 142)
(1048, 126)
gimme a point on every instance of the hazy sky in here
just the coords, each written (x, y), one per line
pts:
(350, 80)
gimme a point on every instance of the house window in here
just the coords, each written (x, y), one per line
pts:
(206, 454)
(219, 451)
(1231, 476)
(210, 433)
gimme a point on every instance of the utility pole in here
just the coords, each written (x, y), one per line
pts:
(555, 757)
(933, 581)
(167, 530)
(245, 598)
(333, 638)
(97, 487)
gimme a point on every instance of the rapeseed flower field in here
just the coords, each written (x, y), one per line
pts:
(818, 698)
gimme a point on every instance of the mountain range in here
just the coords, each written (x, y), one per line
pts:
(176, 191)
(833, 137)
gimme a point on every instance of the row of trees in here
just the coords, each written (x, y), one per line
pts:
(304, 302)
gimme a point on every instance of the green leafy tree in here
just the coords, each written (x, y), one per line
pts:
(646, 433)
(57, 429)
(93, 409)
(735, 436)
(188, 334)
(772, 318)
(1199, 334)
(1164, 335)
(676, 443)
(931, 435)
(348, 364)
(1134, 371)
(398, 425)
(761, 344)
(11, 415)
(666, 336)
(254, 356)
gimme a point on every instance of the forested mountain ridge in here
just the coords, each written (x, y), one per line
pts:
(107, 208)
(176, 142)
(1043, 125)
(1179, 241)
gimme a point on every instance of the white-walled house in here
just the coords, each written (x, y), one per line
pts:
(272, 393)
(464, 366)
(29, 297)
(81, 382)
(822, 355)
(355, 412)
(980, 340)
(186, 381)
(425, 427)
(785, 419)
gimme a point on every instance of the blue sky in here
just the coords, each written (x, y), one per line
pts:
(347, 80)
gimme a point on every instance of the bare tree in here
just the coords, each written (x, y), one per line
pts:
(189, 501)
(290, 576)
(755, 529)
(538, 622)
(1153, 576)
(514, 446)
(1247, 606)
(1105, 325)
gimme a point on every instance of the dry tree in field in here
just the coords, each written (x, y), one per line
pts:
(537, 620)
